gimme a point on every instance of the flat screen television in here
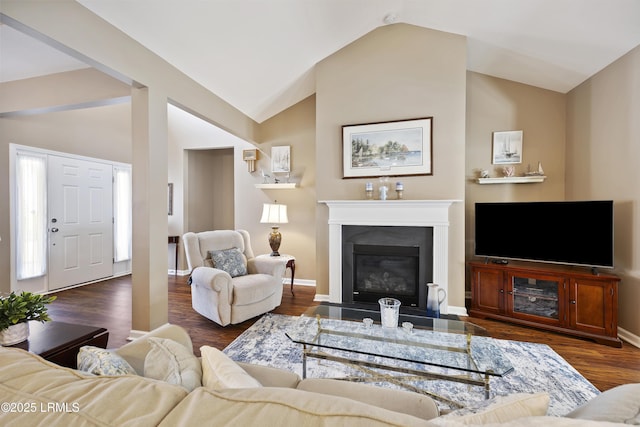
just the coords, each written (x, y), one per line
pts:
(566, 232)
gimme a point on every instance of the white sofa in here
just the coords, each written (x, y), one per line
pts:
(219, 296)
(35, 392)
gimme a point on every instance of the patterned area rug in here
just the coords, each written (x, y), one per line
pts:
(537, 368)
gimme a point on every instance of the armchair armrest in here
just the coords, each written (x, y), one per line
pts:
(273, 267)
(217, 279)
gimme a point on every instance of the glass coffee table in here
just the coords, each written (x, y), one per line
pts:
(422, 348)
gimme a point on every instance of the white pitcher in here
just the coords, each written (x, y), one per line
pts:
(435, 297)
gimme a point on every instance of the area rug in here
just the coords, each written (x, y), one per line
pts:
(537, 368)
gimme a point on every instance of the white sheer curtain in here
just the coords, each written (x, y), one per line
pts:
(31, 215)
(122, 200)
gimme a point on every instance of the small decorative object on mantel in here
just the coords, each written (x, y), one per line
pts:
(368, 190)
(508, 171)
(484, 173)
(16, 310)
(399, 189)
(384, 180)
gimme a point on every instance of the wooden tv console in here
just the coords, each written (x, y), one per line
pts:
(569, 300)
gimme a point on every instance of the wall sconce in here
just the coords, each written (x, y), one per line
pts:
(250, 156)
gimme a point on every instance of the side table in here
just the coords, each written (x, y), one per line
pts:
(59, 342)
(288, 260)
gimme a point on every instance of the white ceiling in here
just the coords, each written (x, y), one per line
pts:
(259, 55)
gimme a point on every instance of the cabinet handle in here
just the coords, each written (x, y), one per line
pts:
(572, 301)
(510, 292)
(502, 291)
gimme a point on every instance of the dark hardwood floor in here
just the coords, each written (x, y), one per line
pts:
(108, 304)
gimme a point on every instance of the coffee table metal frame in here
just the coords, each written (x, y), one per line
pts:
(346, 341)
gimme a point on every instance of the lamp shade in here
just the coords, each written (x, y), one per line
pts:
(274, 214)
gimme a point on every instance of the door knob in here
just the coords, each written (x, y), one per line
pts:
(54, 230)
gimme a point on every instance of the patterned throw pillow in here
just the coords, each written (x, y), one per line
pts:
(230, 260)
(99, 361)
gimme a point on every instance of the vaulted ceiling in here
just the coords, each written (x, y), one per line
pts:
(259, 55)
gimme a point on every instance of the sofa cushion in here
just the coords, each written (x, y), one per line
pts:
(500, 409)
(620, 404)
(66, 397)
(171, 362)
(230, 260)
(100, 361)
(253, 288)
(267, 406)
(416, 404)
(219, 371)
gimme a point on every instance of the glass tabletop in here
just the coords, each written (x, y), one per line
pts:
(443, 343)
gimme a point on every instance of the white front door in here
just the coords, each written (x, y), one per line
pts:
(80, 221)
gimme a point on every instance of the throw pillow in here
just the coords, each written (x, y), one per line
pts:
(171, 362)
(230, 260)
(99, 361)
(500, 409)
(220, 372)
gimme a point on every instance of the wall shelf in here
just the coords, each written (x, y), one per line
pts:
(512, 180)
(279, 186)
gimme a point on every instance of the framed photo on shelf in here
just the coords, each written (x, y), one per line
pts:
(394, 148)
(507, 148)
(281, 159)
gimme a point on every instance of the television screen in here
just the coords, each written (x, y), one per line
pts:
(569, 232)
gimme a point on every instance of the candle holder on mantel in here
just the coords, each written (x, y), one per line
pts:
(368, 190)
(399, 189)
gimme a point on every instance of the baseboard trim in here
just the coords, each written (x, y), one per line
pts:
(628, 337)
(301, 282)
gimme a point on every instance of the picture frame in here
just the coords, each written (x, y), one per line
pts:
(393, 148)
(170, 198)
(281, 159)
(506, 147)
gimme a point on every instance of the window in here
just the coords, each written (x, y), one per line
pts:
(122, 213)
(31, 215)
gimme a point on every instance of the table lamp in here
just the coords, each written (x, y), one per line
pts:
(274, 214)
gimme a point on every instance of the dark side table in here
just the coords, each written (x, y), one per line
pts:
(59, 342)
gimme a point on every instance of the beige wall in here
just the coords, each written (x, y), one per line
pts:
(498, 105)
(395, 72)
(603, 151)
(296, 128)
(210, 189)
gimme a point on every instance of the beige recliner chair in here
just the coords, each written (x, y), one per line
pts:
(247, 288)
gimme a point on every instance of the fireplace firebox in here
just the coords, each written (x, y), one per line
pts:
(384, 261)
(386, 271)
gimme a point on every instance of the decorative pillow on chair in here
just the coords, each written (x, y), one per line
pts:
(219, 371)
(230, 260)
(99, 361)
(171, 362)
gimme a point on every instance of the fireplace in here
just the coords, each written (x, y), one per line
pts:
(427, 214)
(383, 261)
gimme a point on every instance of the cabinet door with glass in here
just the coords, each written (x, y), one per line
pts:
(537, 297)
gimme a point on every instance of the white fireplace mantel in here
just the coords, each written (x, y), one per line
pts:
(418, 213)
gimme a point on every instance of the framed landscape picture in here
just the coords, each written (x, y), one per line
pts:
(393, 148)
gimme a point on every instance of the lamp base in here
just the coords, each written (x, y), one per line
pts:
(274, 241)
